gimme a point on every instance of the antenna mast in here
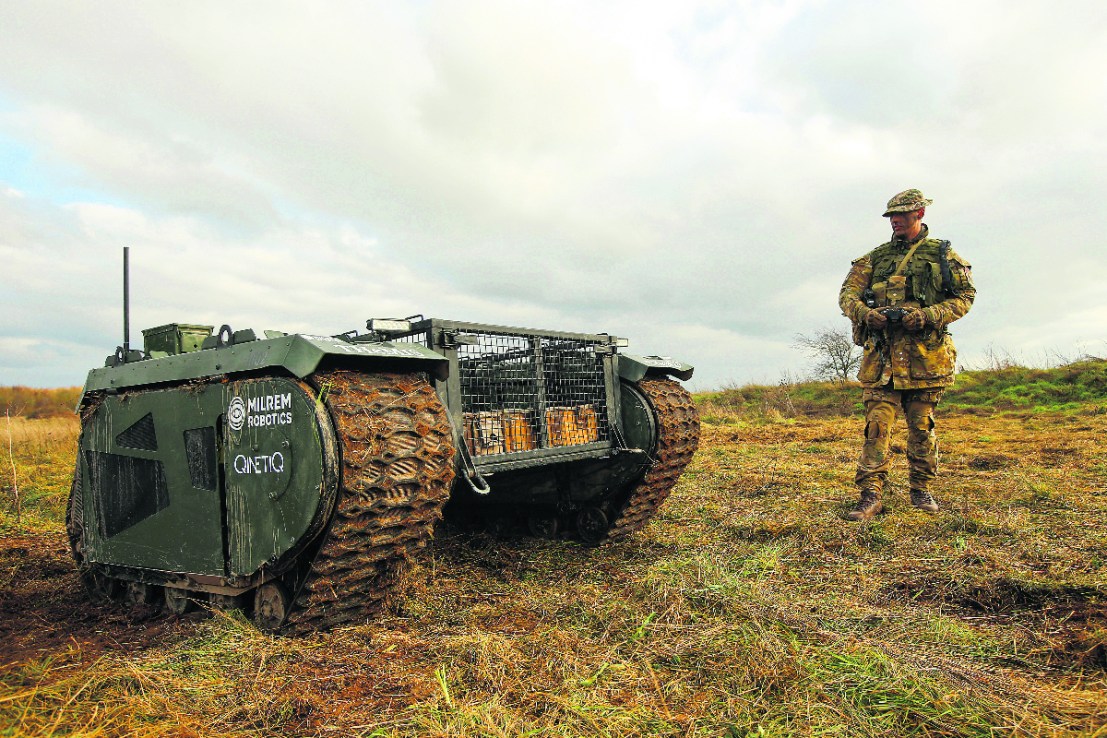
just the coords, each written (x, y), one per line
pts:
(126, 302)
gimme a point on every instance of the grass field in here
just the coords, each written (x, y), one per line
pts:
(748, 607)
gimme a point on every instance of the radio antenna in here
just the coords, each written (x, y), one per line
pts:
(126, 302)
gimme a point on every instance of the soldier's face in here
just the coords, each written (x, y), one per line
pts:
(906, 224)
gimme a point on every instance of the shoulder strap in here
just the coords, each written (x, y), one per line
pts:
(907, 258)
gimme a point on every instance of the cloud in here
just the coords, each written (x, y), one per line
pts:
(665, 171)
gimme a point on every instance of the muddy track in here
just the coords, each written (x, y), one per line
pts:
(678, 436)
(397, 456)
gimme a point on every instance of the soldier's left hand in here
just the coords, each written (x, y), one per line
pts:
(914, 319)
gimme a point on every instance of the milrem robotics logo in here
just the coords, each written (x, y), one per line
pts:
(260, 412)
(236, 414)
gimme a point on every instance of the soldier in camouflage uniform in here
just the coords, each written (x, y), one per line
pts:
(900, 297)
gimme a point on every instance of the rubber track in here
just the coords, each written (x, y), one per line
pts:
(678, 436)
(397, 456)
(75, 515)
(75, 508)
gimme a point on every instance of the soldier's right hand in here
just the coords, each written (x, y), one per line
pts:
(876, 319)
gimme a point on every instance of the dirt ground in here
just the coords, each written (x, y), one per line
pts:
(45, 610)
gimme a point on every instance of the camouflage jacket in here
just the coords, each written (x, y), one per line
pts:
(908, 359)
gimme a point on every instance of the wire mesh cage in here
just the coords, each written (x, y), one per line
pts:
(522, 392)
(525, 391)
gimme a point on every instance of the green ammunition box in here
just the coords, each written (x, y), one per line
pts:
(175, 338)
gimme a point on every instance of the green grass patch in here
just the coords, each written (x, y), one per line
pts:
(1079, 387)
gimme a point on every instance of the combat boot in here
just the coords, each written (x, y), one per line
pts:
(923, 500)
(869, 506)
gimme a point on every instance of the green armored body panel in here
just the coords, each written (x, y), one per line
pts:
(295, 475)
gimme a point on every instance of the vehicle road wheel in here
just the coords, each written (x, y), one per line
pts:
(139, 593)
(592, 525)
(102, 587)
(178, 601)
(543, 525)
(271, 604)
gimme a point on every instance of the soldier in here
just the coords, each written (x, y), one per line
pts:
(900, 297)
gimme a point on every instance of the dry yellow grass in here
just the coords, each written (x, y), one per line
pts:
(36, 467)
(38, 435)
(748, 607)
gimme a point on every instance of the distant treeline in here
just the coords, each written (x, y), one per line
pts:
(30, 402)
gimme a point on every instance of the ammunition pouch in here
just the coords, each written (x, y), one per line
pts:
(872, 361)
(933, 356)
(890, 293)
(879, 292)
(895, 291)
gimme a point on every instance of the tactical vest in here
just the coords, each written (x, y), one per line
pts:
(923, 282)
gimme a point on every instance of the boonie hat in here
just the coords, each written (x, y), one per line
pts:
(905, 202)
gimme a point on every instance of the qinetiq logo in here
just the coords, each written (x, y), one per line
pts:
(236, 414)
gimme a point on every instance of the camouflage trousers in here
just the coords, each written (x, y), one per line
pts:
(922, 443)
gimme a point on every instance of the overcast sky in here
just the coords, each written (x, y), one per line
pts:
(696, 176)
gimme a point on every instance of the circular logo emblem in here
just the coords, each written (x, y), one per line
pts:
(236, 414)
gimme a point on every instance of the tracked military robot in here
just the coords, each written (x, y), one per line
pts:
(294, 475)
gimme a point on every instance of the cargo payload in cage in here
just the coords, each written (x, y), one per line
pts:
(570, 426)
(499, 432)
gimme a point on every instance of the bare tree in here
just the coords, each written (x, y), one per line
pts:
(836, 356)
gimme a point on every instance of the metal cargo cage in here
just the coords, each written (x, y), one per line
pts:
(521, 394)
